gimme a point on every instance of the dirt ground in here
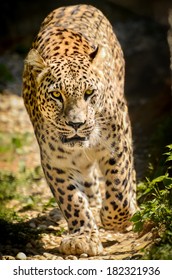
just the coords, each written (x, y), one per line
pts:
(13, 118)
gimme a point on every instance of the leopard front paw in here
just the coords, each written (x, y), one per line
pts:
(78, 244)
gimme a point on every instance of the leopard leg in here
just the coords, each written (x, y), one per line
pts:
(119, 203)
(92, 180)
(84, 236)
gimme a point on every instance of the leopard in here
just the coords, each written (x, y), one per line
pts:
(73, 91)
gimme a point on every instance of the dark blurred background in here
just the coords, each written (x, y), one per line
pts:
(141, 27)
(20, 19)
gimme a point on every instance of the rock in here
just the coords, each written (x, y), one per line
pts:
(59, 258)
(48, 256)
(32, 225)
(8, 257)
(21, 256)
(83, 255)
(71, 257)
(42, 227)
(29, 246)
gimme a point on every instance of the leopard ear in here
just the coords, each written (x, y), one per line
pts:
(35, 60)
(98, 56)
(93, 54)
(37, 65)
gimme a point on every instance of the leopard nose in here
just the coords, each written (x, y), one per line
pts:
(75, 125)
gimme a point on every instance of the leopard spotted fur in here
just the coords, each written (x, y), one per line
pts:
(73, 90)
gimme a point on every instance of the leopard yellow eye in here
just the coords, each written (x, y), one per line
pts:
(88, 93)
(56, 95)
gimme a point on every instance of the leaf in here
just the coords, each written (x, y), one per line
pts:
(167, 182)
(138, 226)
(169, 146)
(169, 153)
(158, 179)
(136, 217)
(169, 158)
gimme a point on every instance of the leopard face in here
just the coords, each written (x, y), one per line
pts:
(70, 96)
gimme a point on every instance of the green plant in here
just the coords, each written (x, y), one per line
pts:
(50, 203)
(8, 186)
(14, 142)
(60, 231)
(9, 181)
(155, 197)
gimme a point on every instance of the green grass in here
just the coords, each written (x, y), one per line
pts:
(155, 199)
(15, 229)
(12, 184)
(14, 143)
(8, 186)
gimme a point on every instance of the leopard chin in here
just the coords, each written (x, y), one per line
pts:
(76, 141)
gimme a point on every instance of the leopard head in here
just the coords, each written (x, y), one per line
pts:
(69, 92)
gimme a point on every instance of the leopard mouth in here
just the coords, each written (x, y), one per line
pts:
(74, 139)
